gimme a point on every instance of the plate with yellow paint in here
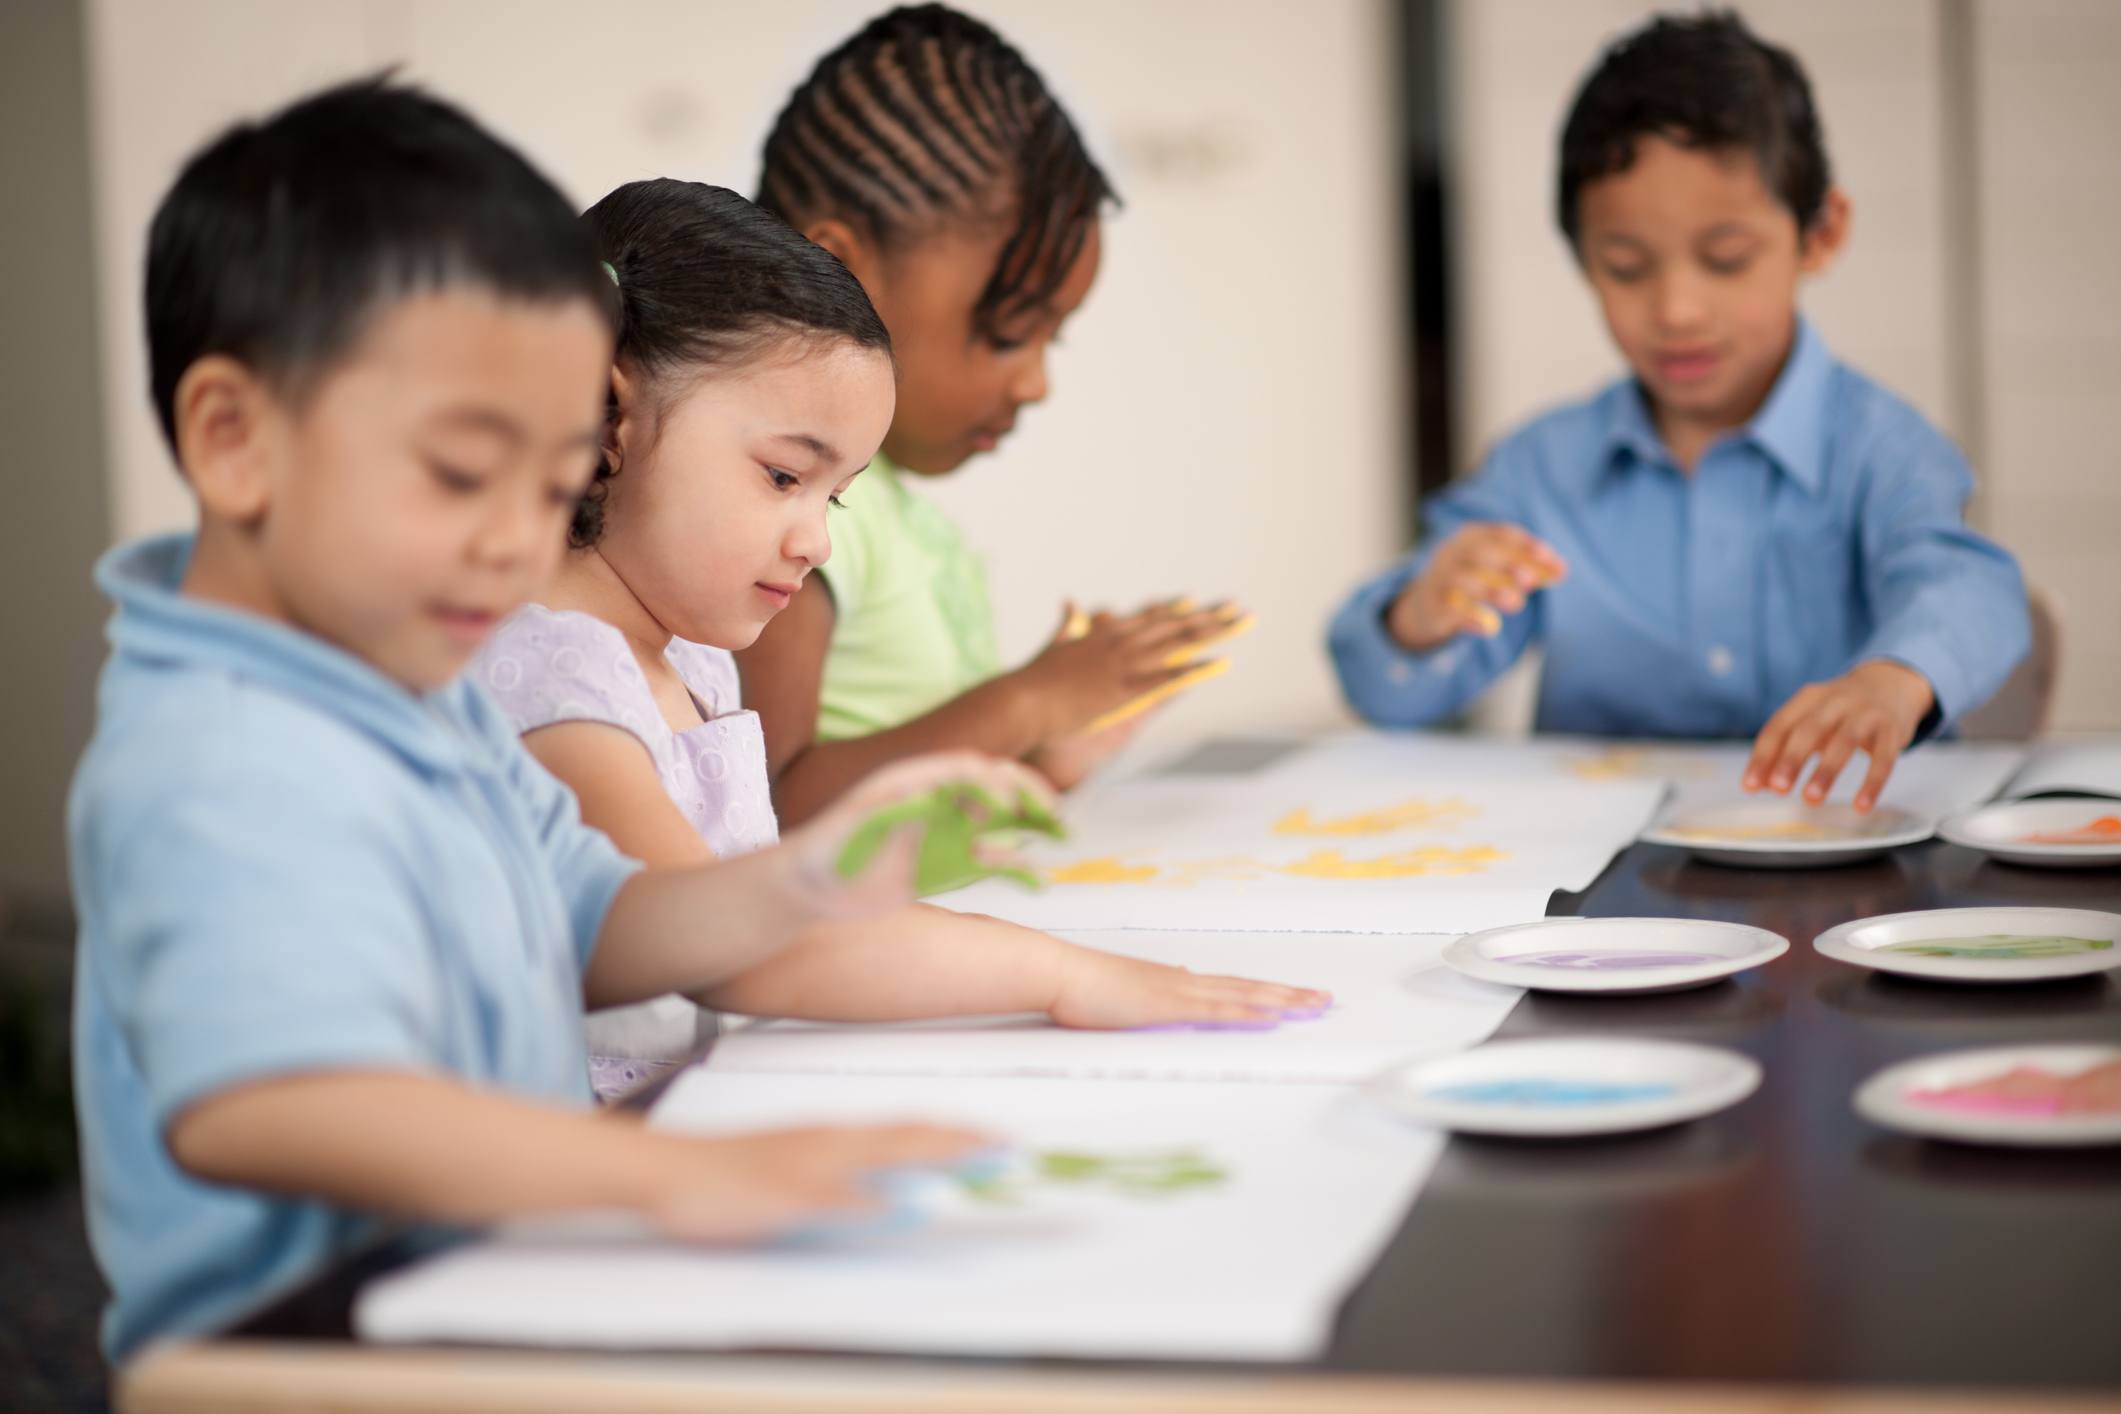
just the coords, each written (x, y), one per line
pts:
(1615, 956)
(1789, 834)
(1980, 944)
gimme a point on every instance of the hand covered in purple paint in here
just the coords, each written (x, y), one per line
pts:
(1101, 991)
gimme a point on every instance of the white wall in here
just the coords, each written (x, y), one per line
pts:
(1223, 418)
(2048, 96)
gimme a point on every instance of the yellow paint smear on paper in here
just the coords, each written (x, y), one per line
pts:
(1402, 864)
(1105, 869)
(1434, 860)
(1626, 763)
(1403, 816)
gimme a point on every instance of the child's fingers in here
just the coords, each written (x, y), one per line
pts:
(1768, 746)
(1834, 753)
(1885, 754)
(1803, 741)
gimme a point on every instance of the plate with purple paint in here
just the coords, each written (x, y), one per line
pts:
(2038, 1096)
(1569, 1085)
(1614, 955)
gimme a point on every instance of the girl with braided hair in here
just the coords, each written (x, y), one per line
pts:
(929, 157)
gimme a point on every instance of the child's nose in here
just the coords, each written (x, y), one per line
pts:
(1029, 384)
(810, 542)
(1679, 301)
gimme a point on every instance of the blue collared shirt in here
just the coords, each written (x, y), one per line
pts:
(1826, 532)
(286, 862)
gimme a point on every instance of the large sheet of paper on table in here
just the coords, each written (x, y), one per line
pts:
(1934, 780)
(1374, 834)
(1251, 1267)
(1394, 999)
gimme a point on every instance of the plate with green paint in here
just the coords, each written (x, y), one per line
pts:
(1980, 944)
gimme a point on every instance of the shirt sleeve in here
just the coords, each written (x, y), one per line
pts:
(1945, 601)
(1392, 686)
(259, 928)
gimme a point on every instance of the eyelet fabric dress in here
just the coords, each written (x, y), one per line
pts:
(546, 666)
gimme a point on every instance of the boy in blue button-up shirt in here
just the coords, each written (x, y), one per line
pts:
(1745, 537)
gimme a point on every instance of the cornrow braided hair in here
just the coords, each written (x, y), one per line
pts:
(927, 116)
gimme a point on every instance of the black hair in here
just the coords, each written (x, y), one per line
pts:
(928, 115)
(282, 239)
(1704, 82)
(707, 280)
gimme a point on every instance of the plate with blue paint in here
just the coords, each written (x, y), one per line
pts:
(1623, 956)
(2000, 944)
(1572, 1085)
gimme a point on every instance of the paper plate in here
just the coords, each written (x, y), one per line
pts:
(1788, 834)
(1613, 955)
(2005, 831)
(1871, 942)
(1904, 1097)
(1568, 1085)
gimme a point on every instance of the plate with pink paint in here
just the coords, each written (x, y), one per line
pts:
(1614, 955)
(2038, 1096)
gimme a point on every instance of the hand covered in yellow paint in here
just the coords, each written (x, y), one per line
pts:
(1482, 572)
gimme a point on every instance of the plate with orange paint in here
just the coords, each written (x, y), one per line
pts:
(1789, 834)
(2070, 833)
(2037, 1096)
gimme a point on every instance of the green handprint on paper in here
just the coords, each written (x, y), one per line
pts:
(954, 820)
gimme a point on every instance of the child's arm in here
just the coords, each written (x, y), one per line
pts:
(912, 962)
(684, 930)
(1949, 616)
(1070, 684)
(925, 962)
(439, 1149)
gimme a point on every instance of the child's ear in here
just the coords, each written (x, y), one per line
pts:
(625, 420)
(861, 257)
(225, 419)
(1822, 242)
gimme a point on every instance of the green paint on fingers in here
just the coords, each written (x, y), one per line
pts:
(954, 820)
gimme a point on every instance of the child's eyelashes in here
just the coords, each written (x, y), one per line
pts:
(456, 479)
(837, 503)
(783, 480)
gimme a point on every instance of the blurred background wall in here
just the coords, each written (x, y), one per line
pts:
(1233, 408)
(1224, 417)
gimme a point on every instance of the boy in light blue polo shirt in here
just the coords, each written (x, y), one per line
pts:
(1747, 536)
(338, 928)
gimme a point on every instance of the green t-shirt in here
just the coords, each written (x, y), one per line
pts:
(915, 625)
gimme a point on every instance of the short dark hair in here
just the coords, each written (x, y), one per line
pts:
(1705, 82)
(282, 239)
(707, 280)
(929, 115)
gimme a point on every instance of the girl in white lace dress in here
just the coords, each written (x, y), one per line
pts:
(752, 383)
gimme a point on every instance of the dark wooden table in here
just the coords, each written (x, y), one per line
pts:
(1785, 1239)
(1783, 1244)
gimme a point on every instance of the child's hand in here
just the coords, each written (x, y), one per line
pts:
(1102, 991)
(1873, 707)
(887, 881)
(1067, 761)
(1483, 571)
(1094, 666)
(756, 1186)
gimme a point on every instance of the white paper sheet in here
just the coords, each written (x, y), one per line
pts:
(1371, 835)
(1394, 999)
(2077, 767)
(1251, 1268)
(1934, 780)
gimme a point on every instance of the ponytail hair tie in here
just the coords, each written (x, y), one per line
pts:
(613, 273)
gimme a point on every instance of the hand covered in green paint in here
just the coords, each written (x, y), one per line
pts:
(916, 827)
